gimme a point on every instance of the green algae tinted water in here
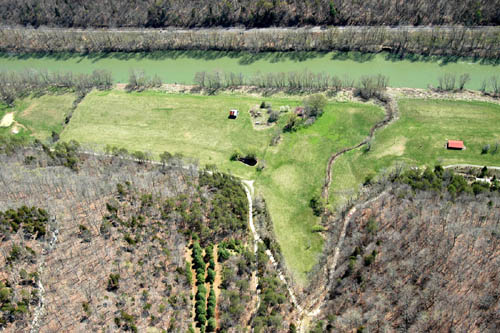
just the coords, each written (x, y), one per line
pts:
(180, 66)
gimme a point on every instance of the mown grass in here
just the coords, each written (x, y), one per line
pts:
(37, 117)
(418, 138)
(198, 126)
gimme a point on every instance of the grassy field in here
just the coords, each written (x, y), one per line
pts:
(181, 66)
(198, 126)
(38, 116)
(419, 138)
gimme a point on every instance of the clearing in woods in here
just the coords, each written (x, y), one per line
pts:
(198, 126)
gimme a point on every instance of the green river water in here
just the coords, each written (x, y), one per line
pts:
(180, 66)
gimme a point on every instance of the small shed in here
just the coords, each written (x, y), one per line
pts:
(299, 111)
(455, 144)
(233, 113)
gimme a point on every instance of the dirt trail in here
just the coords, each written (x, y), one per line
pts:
(470, 166)
(39, 310)
(249, 189)
(316, 300)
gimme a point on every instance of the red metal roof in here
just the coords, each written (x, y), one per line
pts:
(457, 144)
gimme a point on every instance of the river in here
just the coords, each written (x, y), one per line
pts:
(180, 66)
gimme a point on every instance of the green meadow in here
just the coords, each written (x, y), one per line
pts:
(418, 138)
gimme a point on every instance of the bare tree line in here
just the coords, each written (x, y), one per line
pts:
(450, 82)
(15, 84)
(249, 13)
(139, 81)
(303, 81)
(455, 41)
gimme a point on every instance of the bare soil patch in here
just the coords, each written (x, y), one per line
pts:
(7, 120)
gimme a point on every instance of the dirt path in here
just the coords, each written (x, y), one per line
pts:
(249, 189)
(470, 166)
(314, 302)
(217, 283)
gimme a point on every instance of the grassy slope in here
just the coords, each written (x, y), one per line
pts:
(419, 137)
(39, 115)
(296, 171)
(197, 126)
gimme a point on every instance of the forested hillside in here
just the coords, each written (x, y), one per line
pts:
(248, 13)
(93, 242)
(422, 257)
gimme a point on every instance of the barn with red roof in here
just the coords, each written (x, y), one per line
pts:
(455, 144)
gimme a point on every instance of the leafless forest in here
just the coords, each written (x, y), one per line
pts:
(82, 247)
(416, 261)
(248, 13)
(102, 243)
(400, 42)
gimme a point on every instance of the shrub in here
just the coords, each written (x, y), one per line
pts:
(210, 275)
(188, 273)
(371, 86)
(367, 147)
(209, 253)
(484, 172)
(317, 205)
(273, 117)
(223, 254)
(485, 149)
(211, 325)
(275, 138)
(368, 179)
(292, 124)
(314, 105)
(236, 155)
(495, 150)
(372, 226)
(113, 282)
(369, 259)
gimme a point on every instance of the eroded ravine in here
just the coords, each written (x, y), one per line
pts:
(311, 305)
